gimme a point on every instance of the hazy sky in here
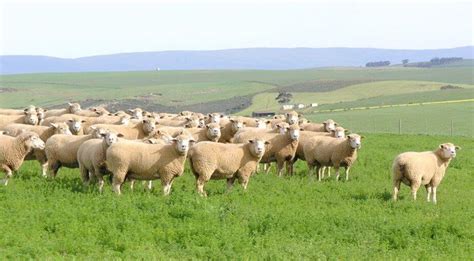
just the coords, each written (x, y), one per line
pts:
(81, 28)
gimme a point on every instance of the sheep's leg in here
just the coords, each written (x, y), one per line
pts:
(84, 175)
(258, 168)
(244, 180)
(267, 167)
(329, 172)
(434, 194)
(319, 172)
(101, 183)
(414, 189)
(337, 172)
(166, 186)
(310, 168)
(230, 183)
(428, 192)
(53, 167)
(149, 185)
(321, 175)
(347, 172)
(280, 167)
(396, 189)
(132, 184)
(44, 169)
(8, 174)
(117, 182)
(200, 182)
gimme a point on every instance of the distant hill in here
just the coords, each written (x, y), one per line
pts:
(249, 58)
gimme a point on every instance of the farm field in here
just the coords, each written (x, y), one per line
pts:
(277, 218)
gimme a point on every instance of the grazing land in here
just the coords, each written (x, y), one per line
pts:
(277, 218)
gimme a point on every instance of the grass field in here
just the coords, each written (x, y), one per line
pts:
(277, 218)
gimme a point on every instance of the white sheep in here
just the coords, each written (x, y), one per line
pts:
(44, 132)
(326, 151)
(29, 117)
(14, 149)
(230, 128)
(61, 150)
(211, 132)
(71, 108)
(140, 161)
(210, 160)
(30, 108)
(422, 168)
(131, 131)
(325, 126)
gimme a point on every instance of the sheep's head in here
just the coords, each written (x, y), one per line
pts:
(213, 131)
(61, 128)
(192, 122)
(125, 119)
(73, 107)
(292, 117)
(279, 117)
(41, 113)
(329, 125)
(186, 113)
(355, 140)
(110, 137)
(31, 140)
(215, 117)
(302, 121)
(75, 125)
(183, 142)
(159, 135)
(282, 127)
(261, 124)
(294, 132)
(257, 147)
(99, 111)
(448, 150)
(149, 125)
(237, 124)
(136, 113)
(97, 133)
(339, 132)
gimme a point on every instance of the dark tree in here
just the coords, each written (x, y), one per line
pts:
(284, 97)
(405, 61)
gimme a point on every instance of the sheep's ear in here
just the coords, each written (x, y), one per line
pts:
(268, 122)
(336, 124)
(120, 135)
(457, 147)
(267, 142)
(232, 120)
(333, 131)
(144, 121)
(301, 129)
(209, 115)
(207, 126)
(45, 110)
(222, 115)
(54, 125)
(251, 141)
(278, 125)
(441, 146)
(110, 114)
(362, 137)
(346, 131)
(69, 104)
(83, 121)
(187, 125)
(103, 135)
(192, 141)
(70, 121)
(93, 128)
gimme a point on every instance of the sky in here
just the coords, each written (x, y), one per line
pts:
(73, 28)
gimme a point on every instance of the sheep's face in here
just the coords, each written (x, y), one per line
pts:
(74, 107)
(193, 122)
(75, 125)
(448, 150)
(257, 147)
(292, 118)
(330, 125)
(303, 121)
(261, 124)
(41, 113)
(111, 137)
(125, 120)
(213, 131)
(237, 124)
(136, 113)
(149, 125)
(31, 118)
(355, 141)
(282, 127)
(339, 132)
(61, 128)
(98, 133)
(32, 140)
(294, 132)
(183, 142)
(215, 117)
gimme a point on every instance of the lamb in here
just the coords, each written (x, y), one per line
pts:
(140, 161)
(71, 108)
(131, 132)
(230, 128)
(61, 150)
(422, 168)
(210, 160)
(282, 147)
(325, 126)
(29, 117)
(91, 157)
(212, 132)
(327, 151)
(44, 133)
(14, 150)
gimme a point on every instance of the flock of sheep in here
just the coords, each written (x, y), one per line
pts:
(140, 145)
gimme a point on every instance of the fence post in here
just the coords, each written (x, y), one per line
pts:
(400, 126)
(452, 125)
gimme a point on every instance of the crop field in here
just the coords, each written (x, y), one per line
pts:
(276, 218)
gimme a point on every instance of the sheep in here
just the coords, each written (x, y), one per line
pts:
(91, 157)
(214, 117)
(14, 150)
(230, 128)
(210, 160)
(282, 147)
(292, 117)
(71, 108)
(173, 131)
(132, 132)
(327, 151)
(30, 108)
(422, 168)
(188, 122)
(92, 112)
(61, 150)
(29, 117)
(302, 121)
(212, 132)
(142, 161)
(137, 113)
(305, 137)
(44, 132)
(325, 126)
